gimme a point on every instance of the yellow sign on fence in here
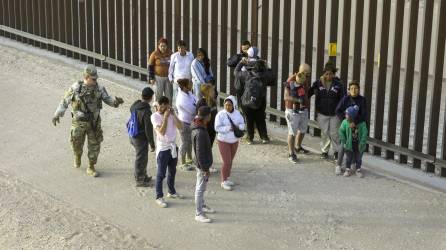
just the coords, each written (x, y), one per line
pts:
(332, 49)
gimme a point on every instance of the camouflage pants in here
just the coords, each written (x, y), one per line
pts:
(80, 130)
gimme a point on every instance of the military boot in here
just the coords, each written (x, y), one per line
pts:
(91, 171)
(77, 161)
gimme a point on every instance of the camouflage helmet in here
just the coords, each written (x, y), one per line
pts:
(91, 71)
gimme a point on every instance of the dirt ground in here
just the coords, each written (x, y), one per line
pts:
(47, 204)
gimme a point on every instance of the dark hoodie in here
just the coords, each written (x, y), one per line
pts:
(327, 99)
(202, 145)
(143, 114)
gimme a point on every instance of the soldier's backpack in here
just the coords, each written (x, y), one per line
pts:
(132, 125)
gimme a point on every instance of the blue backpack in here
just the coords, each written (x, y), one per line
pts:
(132, 125)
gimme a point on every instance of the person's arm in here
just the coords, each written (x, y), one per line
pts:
(151, 66)
(177, 121)
(313, 90)
(363, 136)
(241, 122)
(340, 109)
(233, 60)
(291, 78)
(363, 112)
(110, 100)
(202, 149)
(148, 129)
(287, 96)
(172, 67)
(64, 103)
(197, 71)
(342, 133)
(219, 125)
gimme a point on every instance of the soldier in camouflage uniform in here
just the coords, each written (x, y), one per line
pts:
(86, 99)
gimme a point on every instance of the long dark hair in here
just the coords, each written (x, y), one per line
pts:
(206, 61)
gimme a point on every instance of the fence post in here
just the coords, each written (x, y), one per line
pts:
(424, 78)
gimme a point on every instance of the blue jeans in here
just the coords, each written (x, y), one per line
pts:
(164, 162)
(353, 155)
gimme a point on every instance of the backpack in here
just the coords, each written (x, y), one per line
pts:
(132, 125)
(253, 94)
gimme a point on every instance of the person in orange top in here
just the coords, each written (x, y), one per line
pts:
(158, 63)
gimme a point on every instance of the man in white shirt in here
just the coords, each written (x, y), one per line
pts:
(180, 66)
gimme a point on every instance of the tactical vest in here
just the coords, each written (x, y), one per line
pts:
(86, 100)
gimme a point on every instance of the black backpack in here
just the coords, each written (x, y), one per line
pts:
(254, 93)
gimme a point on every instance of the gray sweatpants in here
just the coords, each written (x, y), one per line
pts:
(200, 188)
(163, 87)
(186, 141)
(330, 132)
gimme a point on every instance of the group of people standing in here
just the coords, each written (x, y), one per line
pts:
(186, 101)
(341, 116)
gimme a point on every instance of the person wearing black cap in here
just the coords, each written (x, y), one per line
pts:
(328, 91)
(144, 138)
(203, 157)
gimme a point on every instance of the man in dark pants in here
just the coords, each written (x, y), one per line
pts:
(144, 138)
(253, 76)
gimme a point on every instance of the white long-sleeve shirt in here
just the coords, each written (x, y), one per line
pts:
(180, 66)
(223, 125)
(186, 105)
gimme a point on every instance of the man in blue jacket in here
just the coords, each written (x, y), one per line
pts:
(328, 91)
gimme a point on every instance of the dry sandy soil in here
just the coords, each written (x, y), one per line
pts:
(47, 204)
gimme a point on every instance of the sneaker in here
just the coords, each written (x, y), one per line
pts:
(265, 141)
(186, 167)
(249, 141)
(208, 210)
(174, 196)
(202, 218)
(142, 184)
(302, 150)
(359, 173)
(161, 202)
(293, 158)
(230, 183)
(324, 156)
(213, 170)
(225, 186)
(347, 173)
(338, 170)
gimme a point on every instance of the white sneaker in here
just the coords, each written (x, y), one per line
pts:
(230, 183)
(161, 202)
(208, 210)
(202, 218)
(338, 170)
(213, 170)
(226, 186)
(174, 196)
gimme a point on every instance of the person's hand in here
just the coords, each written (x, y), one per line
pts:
(152, 148)
(152, 81)
(55, 120)
(206, 173)
(352, 125)
(245, 60)
(167, 113)
(119, 100)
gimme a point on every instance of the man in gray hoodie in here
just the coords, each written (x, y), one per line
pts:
(203, 155)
